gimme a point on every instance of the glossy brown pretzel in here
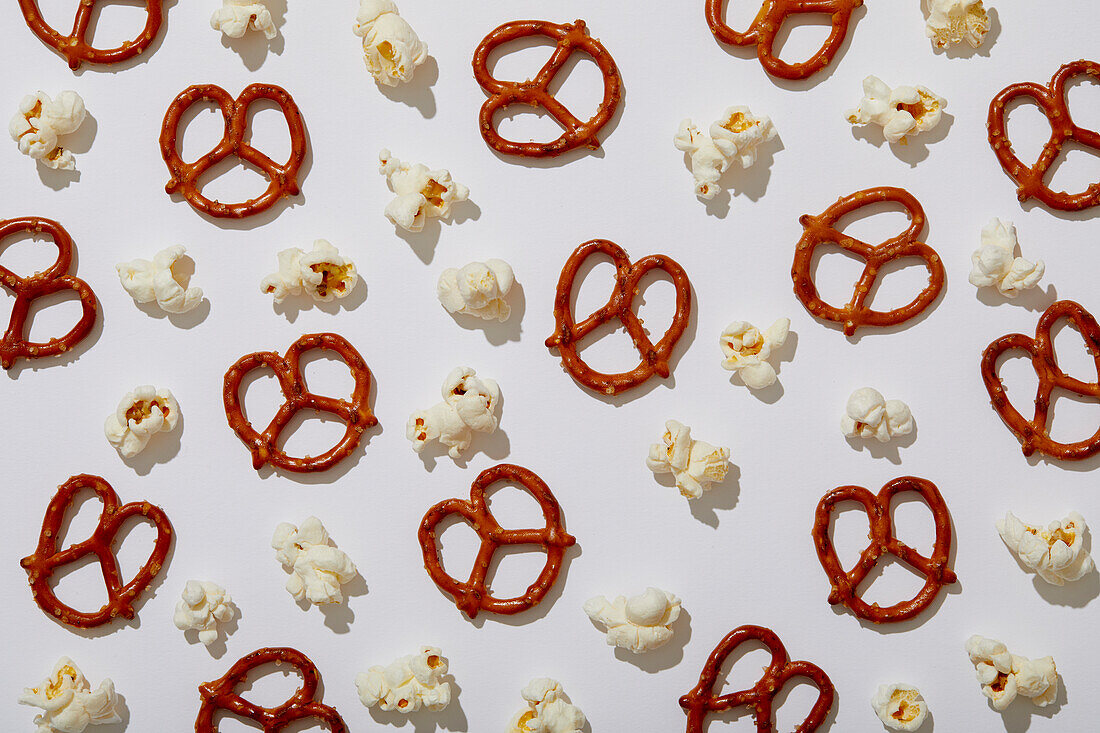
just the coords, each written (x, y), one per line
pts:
(76, 48)
(1052, 101)
(355, 412)
(47, 558)
(1034, 434)
(570, 38)
(760, 698)
(846, 584)
(819, 230)
(474, 595)
(185, 177)
(222, 694)
(773, 14)
(568, 333)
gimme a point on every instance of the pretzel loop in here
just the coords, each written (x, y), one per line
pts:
(76, 49)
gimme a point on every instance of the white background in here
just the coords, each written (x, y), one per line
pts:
(742, 554)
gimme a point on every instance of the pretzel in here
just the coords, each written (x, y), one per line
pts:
(567, 333)
(773, 14)
(76, 48)
(570, 38)
(1034, 434)
(53, 279)
(846, 584)
(185, 177)
(819, 230)
(47, 558)
(1052, 101)
(222, 694)
(760, 698)
(474, 595)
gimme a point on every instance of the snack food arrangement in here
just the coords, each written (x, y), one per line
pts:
(664, 413)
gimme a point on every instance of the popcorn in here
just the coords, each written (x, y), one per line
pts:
(1056, 554)
(902, 111)
(140, 415)
(954, 21)
(421, 193)
(408, 683)
(734, 137)
(469, 405)
(1003, 676)
(201, 607)
(391, 48)
(321, 273)
(68, 702)
(695, 463)
(900, 706)
(870, 415)
(640, 623)
(154, 281)
(747, 351)
(995, 262)
(40, 121)
(317, 567)
(548, 710)
(235, 17)
(478, 289)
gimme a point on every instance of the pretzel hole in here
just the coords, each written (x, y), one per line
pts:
(1075, 169)
(457, 538)
(122, 23)
(59, 14)
(793, 703)
(26, 255)
(914, 523)
(326, 373)
(526, 123)
(268, 130)
(891, 581)
(835, 273)
(133, 545)
(1019, 379)
(514, 568)
(1070, 352)
(850, 531)
(52, 316)
(311, 433)
(739, 15)
(1072, 418)
(269, 685)
(233, 180)
(80, 519)
(513, 507)
(201, 128)
(801, 36)
(899, 283)
(261, 397)
(79, 585)
(1027, 128)
(875, 223)
(579, 85)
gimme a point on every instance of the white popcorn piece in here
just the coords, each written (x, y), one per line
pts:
(953, 21)
(902, 111)
(322, 273)
(39, 123)
(391, 48)
(1057, 554)
(640, 623)
(68, 703)
(900, 706)
(548, 710)
(202, 606)
(695, 464)
(154, 281)
(421, 194)
(469, 406)
(747, 350)
(995, 262)
(140, 415)
(1003, 676)
(317, 568)
(707, 161)
(478, 289)
(870, 415)
(407, 684)
(733, 138)
(236, 17)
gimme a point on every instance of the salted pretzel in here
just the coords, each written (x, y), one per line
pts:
(355, 412)
(846, 583)
(1052, 101)
(47, 557)
(1034, 434)
(773, 14)
(474, 595)
(819, 230)
(304, 704)
(760, 698)
(186, 177)
(568, 333)
(54, 279)
(75, 47)
(570, 38)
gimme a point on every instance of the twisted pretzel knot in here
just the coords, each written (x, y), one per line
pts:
(567, 333)
(570, 37)
(185, 177)
(222, 694)
(773, 14)
(846, 584)
(819, 230)
(53, 279)
(1034, 434)
(355, 412)
(1052, 101)
(76, 48)
(47, 558)
(474, 595)
(760, 698)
